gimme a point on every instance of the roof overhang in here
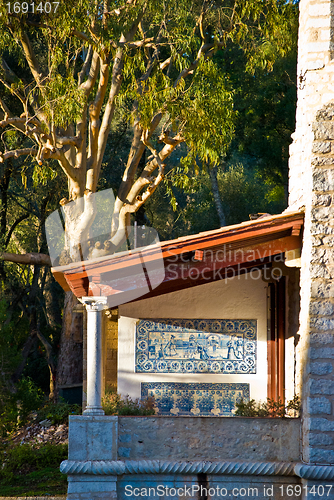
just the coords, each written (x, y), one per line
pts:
(188, 261)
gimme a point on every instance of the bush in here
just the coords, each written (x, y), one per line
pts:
(24, 459)
(270, 408)
(57, 413)
(115, 404)
(16, 407)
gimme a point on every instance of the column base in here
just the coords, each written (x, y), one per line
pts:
(93, 411)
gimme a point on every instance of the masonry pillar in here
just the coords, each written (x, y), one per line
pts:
(312, 186)
(92, 436)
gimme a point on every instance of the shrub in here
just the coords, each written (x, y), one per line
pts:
(23, 459)
(16, 407)
(270, 408)
(115, 404)
(58, 412)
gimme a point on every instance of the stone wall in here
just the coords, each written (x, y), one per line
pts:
(318, 283)
(110, 457)
(312, 186)
(209, 438)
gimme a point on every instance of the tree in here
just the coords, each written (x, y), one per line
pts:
(73, 70)
(29, 292)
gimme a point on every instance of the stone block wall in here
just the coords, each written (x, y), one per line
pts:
(317, 342)
(311, 186)
(112, 457)
(209, 438)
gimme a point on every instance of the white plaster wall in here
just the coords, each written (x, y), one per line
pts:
(239, 298)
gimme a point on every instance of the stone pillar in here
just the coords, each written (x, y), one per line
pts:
(94, 307)
(92, 448)
(312, 187)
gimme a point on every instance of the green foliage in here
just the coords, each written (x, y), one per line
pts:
(270, 408)
(57, 413)
(29, 402)
(25, 467)
(16, 402)
(29, 398)
(244, 192)
(64, 101)
(207, 114)
(294, 404)
(15, 407)
(115, 404)
(42, 174)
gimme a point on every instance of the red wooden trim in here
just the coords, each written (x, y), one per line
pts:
(240, 238)
(280, 338)
(183, 271)
(271, 343)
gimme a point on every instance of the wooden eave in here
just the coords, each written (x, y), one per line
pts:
(250, 243)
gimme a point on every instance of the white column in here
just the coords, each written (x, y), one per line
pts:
(94, 307)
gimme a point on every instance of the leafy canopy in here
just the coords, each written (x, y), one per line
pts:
(168, 67)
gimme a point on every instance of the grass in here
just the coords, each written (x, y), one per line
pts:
(29, 470)
(47, 481)
(33, 469)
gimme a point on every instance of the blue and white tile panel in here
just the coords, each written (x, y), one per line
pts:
(173, 398)
(196, 346)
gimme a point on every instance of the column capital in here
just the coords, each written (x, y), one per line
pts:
(97, 303)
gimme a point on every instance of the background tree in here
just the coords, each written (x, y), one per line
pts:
(66, 76)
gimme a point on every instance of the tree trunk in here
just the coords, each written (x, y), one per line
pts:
(216, 196)
(70, 360)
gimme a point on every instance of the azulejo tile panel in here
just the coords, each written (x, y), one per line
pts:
(173, 398)
(196, 346)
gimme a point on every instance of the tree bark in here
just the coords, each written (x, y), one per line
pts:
(39, 259)
(70, 360)
(216, 196)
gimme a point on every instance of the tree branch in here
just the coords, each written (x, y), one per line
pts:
(135, 155)
(145, 177)
(31, 259)
(12, 91)
(23, 120)
(94, 114)
(69, 170)
(31, 59)
(204, 51)
(18, 152)
(147, 42)
(116, 82)
(85, 65)
(81, 35)
(75, 141)
(94, 68)
(12, 229)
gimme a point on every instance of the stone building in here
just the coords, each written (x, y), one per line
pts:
(292, 356)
